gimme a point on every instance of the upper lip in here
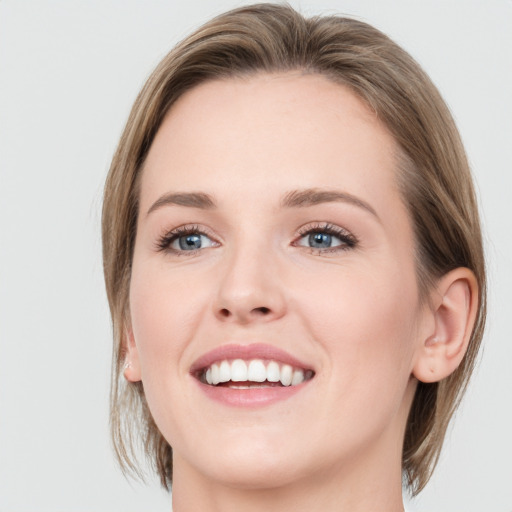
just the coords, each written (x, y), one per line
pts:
(247, 352)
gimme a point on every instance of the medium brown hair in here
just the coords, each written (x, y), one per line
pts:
(433, 174)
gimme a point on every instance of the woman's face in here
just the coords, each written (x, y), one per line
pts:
(271, 233)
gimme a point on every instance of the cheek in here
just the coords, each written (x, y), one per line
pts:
(365, 321)
(165, 308)
(367, 336)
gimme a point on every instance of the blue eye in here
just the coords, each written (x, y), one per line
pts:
(188, 242)
(326, 237)
(320, 240)
(191, 242)
(185, 239)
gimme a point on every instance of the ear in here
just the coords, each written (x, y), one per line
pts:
(131, 371)
(454, 307)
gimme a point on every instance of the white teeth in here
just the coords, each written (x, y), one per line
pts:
(215, 374)
(298, 377)
(286, 375)
(224, 372)
(238, 371)
(257, 371)
(273, 372)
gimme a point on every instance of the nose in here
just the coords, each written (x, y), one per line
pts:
(250, 289)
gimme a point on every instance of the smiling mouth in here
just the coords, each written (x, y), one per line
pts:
(253, 373)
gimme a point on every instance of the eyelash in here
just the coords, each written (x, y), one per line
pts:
(164, 242)
(348, 240)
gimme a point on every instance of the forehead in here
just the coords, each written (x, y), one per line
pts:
(268, 133)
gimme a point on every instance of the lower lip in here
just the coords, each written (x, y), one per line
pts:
(252, 397)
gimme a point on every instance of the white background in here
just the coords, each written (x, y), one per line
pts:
(69, 72)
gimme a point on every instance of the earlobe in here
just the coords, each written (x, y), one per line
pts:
(455, 303)
(131, 369)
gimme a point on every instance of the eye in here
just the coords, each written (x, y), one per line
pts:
(191, 242)
(325, 237)
(320, 240)
(185, 239)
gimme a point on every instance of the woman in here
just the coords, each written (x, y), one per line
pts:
(294, 266)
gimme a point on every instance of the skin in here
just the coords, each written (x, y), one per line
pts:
(351, 312)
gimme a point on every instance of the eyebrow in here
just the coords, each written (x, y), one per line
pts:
(294, 199)
(190, 199)
(313, 196)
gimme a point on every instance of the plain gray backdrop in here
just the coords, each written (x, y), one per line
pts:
(69, 72)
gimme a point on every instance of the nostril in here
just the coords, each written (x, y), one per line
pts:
(263, 310)
(244, 315)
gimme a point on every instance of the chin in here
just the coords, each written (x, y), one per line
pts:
(266, 474)
(250, 465)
